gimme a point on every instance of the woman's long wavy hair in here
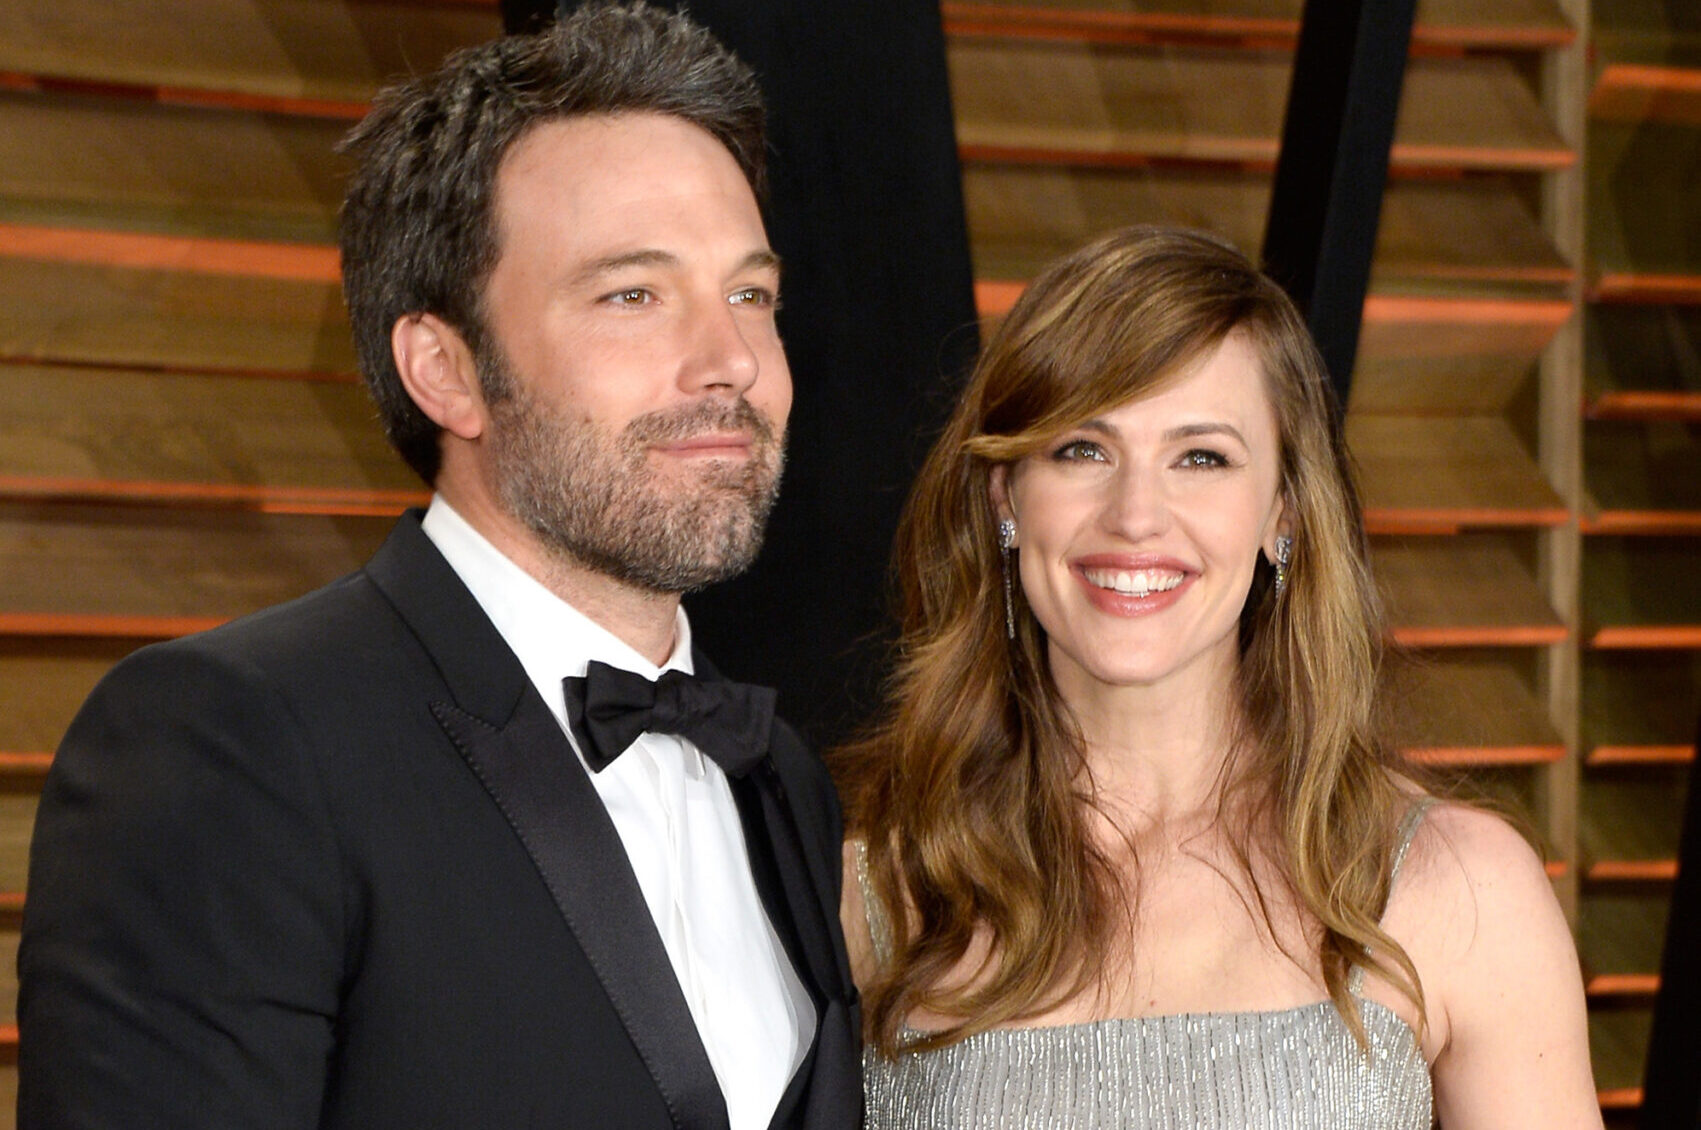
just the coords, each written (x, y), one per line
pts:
(969, 790)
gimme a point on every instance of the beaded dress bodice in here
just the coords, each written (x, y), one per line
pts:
(1294, 1069)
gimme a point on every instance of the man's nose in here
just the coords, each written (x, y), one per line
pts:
(719, 355)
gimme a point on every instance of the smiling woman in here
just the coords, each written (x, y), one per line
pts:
(1130, 845)
(1157, 505)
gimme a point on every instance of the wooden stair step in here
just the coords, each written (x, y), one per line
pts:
(1643, 362)
(1628, 820)
(1640, 701)
(1641, 592)
(1683, 637)
(92, 570)
(1643, 32)
(1665, 287)
(1448, 473)
(1649, 404)
(1085, 105)
(25, 767)
(1618, 1049)
(1634, 871)
(1643, 477)
(89, 434)
(17, 821)
(1621, 929)
(43, 680)
(1643, 248)
(181, 320)
(1621, 755)
(82, 161)
(1467, 590)
(306, 49)
(240, 258)
(1022, 217)
(1619, 1100)
(1638, 92)
(1473, 708)
(1510, 25)
(1621, 985)
(1459, 356)
(1467, 229)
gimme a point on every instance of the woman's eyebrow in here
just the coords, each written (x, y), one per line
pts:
(1190, 431)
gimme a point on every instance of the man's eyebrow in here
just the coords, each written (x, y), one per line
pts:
(762, 259)
(608, 264)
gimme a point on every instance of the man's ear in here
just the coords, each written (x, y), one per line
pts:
(438, 371)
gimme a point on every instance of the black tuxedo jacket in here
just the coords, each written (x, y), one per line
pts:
(335, 865)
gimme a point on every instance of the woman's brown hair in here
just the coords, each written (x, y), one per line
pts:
(968, 791)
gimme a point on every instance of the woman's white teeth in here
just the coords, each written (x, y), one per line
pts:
(1139, 583)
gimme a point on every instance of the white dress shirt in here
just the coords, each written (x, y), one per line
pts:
(674, 811)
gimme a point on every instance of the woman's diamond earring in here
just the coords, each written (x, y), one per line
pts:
(1007, 542)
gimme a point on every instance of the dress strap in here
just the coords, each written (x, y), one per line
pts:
(1397, 858)
(879, 926)
(1408, 832)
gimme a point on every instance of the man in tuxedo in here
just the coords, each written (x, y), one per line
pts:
(473, 838)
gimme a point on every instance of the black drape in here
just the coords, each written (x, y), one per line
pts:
(1671, 1092)
(1326, 200)
(866, 211)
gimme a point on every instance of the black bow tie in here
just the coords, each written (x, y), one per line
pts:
(608, 708)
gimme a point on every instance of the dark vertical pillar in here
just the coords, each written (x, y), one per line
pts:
(866, 211)
(1671, 1089)
(1333, 165)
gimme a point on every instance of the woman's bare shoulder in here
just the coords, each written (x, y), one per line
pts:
(1467, 875)
(1460, 851)
(1476, 911)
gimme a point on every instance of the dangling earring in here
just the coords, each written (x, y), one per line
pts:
(1007, 542)
(1284, 554)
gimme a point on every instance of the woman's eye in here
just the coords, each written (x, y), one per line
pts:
(1079, 449)
(1202, 457)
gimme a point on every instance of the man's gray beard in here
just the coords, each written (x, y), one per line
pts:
(593, 498)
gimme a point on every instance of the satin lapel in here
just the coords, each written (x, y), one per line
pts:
(794, 904)
(531, 773)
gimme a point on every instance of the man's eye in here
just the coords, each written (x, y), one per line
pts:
(635, 296)
(754, 296)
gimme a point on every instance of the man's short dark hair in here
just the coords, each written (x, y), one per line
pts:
(418, 228)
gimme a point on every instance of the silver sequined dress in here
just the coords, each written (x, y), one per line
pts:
(1293, 1069)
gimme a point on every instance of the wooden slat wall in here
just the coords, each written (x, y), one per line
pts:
(186, 441)
(1641, 457)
